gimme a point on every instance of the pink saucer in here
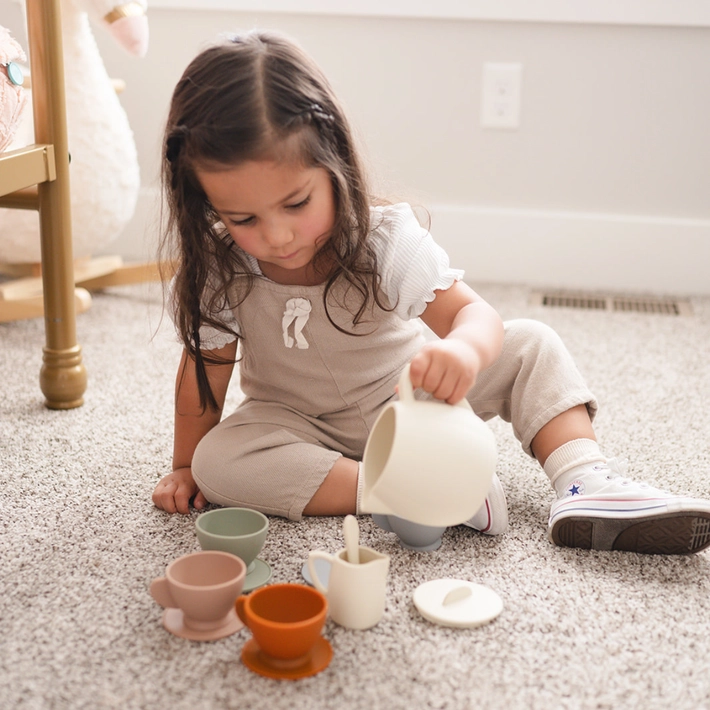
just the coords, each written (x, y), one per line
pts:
(317, 660)
(173, 621)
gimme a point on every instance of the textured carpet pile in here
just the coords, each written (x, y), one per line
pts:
(80, 542)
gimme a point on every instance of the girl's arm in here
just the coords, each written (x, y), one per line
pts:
(471, 333)
(174, 491)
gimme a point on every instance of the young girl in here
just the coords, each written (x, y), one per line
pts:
(281, 251)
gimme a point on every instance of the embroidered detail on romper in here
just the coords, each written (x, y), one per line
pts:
(297, 312)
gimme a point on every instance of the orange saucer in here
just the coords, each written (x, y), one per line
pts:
(317, 660)
(173, 621)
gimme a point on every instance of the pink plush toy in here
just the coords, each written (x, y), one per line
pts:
(13, 98)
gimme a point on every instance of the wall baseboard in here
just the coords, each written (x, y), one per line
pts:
(576, 250)
(565, 250)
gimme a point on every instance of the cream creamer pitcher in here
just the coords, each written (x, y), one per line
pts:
(356, 592)
(427, 461)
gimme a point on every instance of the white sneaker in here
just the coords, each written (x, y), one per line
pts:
(602, 510)
(492, 516)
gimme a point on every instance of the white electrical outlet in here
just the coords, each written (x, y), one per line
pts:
(500, 95)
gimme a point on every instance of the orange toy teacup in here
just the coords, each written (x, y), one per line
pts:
(286, 621)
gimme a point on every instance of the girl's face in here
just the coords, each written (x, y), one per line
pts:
(280, 213)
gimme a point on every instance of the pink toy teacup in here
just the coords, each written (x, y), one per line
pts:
(198, 593)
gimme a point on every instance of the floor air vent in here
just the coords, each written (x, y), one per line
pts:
(599, 302)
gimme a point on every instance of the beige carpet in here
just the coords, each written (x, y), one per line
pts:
(80, 542)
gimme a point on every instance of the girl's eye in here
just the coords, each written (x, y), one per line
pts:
(242, 222)
(299, 205)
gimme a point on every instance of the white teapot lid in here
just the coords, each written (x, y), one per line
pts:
(457, 602)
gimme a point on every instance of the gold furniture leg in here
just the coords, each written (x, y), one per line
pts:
(63, 375)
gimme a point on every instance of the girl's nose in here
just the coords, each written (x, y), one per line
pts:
(277, 235)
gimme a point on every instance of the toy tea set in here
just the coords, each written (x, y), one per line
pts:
(427, 465)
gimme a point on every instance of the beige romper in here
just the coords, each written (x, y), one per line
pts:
(313, 392)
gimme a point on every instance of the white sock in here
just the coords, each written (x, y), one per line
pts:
(575, 453)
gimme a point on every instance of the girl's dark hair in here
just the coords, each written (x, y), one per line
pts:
(253, 97)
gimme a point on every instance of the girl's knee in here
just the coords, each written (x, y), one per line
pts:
(529, 334)
(527, 328)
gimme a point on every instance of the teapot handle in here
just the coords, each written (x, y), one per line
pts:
(406, 391)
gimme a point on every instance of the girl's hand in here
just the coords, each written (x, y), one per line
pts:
(471, 335)
(174, 491)
(447, 369)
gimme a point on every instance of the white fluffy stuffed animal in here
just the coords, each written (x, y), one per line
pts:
(104, 173)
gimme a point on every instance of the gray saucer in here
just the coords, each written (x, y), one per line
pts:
(322, 570)
(258, 577)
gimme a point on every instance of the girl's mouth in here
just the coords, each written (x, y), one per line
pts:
(286, 257)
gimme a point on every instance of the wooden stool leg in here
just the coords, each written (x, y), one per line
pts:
(63, 375)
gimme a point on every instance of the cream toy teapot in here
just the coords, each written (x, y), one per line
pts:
(427, 461)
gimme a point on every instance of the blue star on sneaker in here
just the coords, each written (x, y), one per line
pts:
(576, 488)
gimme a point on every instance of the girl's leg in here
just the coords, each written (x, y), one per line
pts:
(572, 424)
(270, 459)
(536, 386)
(337, 495)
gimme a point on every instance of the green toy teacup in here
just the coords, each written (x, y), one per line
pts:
(240, 531)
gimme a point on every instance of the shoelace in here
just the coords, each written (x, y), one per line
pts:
(617, 469)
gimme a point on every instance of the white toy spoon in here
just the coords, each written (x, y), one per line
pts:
(351, 532)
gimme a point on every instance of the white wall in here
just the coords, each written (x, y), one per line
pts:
(604, 185)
